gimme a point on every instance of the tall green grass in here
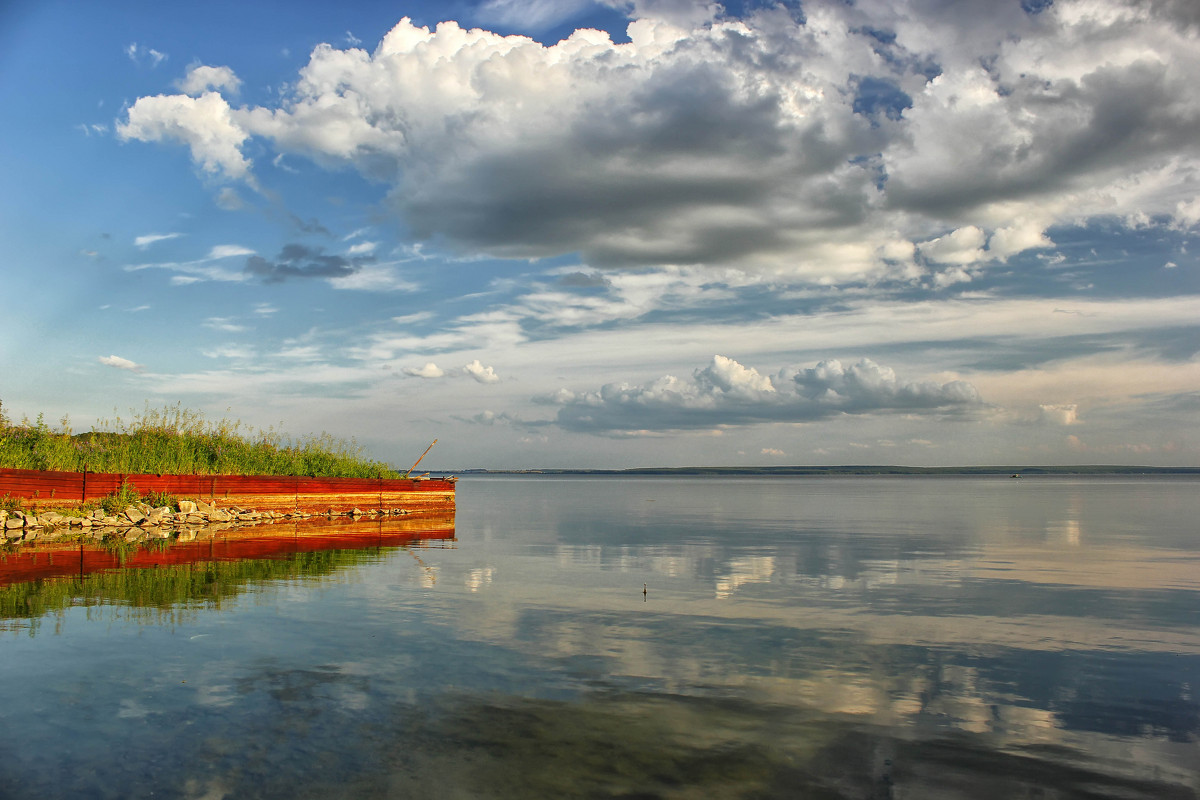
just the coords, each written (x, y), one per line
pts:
(178, 441)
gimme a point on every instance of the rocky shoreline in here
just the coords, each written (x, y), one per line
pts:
(142, 521)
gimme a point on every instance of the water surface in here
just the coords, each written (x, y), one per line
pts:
(649, 637)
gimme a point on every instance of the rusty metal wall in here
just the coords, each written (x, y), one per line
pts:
(38, 489)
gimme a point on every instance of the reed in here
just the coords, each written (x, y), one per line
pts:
(177, 441)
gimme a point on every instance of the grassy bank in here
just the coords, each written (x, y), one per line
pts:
(178, 441)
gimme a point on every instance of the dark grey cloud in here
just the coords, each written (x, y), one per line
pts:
(825, 146)
(1185, 13)
(1114, 120)
(726, 393)
(303, 261)
(310, 225)
(692, 140)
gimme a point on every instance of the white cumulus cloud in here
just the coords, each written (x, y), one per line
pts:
(201, 78)
(1060, 414)
(120, 363)
(205, 124)
(725, 393)
(962, 246)
(430, 370)
(475, 370)
(481, 373)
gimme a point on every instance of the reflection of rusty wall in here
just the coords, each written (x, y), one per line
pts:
(57, 559)
(38, 488)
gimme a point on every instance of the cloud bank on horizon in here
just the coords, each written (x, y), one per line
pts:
(963, 229)
(726, 393)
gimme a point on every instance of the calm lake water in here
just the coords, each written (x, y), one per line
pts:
(797, 638)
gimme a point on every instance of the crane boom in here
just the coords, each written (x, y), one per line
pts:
(418, 461)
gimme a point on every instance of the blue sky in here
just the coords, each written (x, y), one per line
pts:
(608, 234)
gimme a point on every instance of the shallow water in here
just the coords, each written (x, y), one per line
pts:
(649, 637)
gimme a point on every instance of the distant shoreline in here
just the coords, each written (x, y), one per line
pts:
(849, 470)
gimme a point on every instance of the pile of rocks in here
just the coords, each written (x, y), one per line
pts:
(160, 522)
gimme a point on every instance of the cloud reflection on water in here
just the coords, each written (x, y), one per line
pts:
(846, 639)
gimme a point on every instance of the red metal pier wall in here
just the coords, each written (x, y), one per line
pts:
(286, 494)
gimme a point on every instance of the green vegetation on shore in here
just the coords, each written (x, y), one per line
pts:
(178, 441)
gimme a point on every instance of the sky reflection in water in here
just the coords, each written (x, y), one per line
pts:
(857, 638)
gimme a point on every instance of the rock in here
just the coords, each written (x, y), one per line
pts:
(187, 507)
(135, 515)
(216, 515)
(14, 523)
(13, 533)
(205, 508)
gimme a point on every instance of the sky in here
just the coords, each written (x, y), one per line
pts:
(612, 233)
